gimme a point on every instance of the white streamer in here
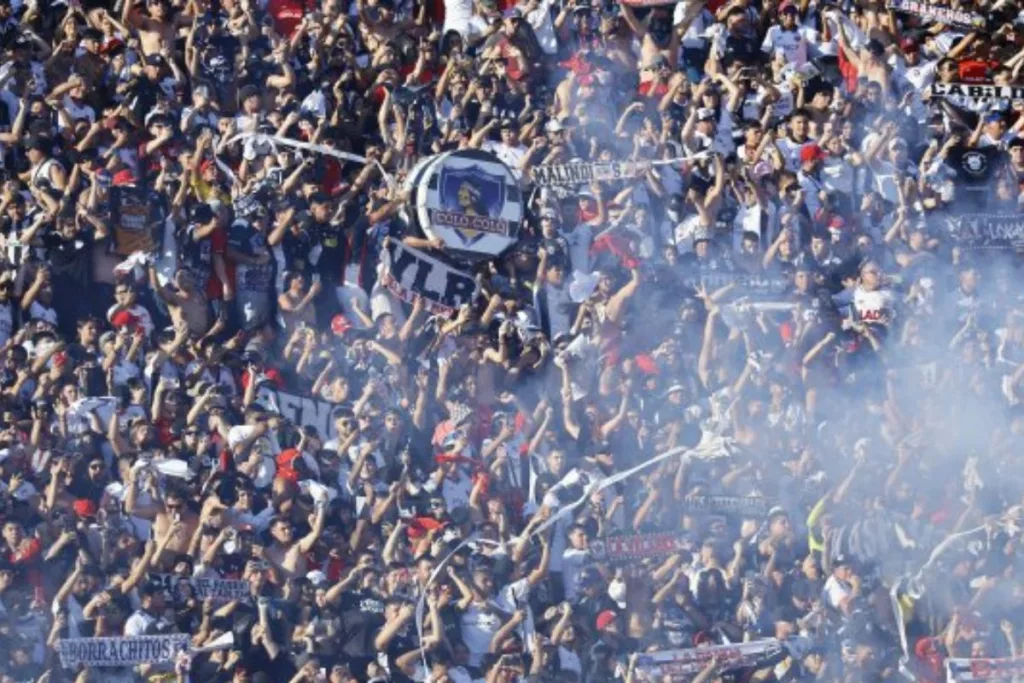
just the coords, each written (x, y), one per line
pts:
(309, 147)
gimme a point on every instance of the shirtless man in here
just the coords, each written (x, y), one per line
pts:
(164, 513)
(290, 557)
(157, 27)
(186, 303)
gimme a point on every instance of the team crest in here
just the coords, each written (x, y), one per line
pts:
(469, 200)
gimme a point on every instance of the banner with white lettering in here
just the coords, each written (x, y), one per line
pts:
(638, 546)
(302, 411)
(584, 173)
(683, 664)
(408, 272)
(984, 669)
(220, 590)
(978, 92)
(745, 284)
(737, 505)
(647, 3)
(943, 15)
(129, 651)
(988, 231)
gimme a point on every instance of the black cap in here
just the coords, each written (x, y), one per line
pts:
(155, 60)
(36, 143)
(248, 91)
(92, 34)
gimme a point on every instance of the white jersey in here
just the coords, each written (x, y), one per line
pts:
(876, 307)
(793, 45)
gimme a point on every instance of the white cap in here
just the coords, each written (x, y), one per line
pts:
(554, 126)
(617, 592)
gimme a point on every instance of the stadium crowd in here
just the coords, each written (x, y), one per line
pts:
(744, 380)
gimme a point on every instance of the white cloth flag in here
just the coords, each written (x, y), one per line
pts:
(677, 664)
(128, 651)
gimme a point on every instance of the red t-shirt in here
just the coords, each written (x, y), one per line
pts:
(270, 373)
(285, 470)
(165, 431)
(645, 89)
(27, 559)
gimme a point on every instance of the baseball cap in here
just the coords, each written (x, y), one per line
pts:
(248, 91)
(513, 13)
(84, 507)
(1016, 142)
(316, 577)
(705, 114)
(554, 126)
(811, 152)
(588, 576)
(340, 325)
(909, 45)
(787, 6)
(155, 60)
(605, 619)
(124, 177)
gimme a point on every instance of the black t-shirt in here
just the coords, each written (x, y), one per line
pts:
(334, 251)
(362, 616)
(404, 641)
(69, 257)
(142, 97)
(297, 245)
(196, 255)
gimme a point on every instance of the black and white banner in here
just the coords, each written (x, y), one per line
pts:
(303, 411)
(683, 664)
(744, 283)
(408, 272)
(220, 590)
(979, 92)
(127, 651)
(984, 669)
(584, 173)
(988, 231)
(724, 505)
(943, 15)
(639, 546)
